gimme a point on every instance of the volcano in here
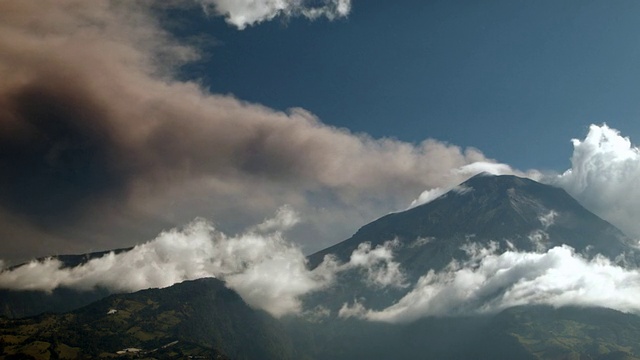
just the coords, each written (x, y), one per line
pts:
(504, 212)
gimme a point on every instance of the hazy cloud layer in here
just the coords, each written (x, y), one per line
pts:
(243, 13)
(490, 282)
(604, 176)
(102, 145)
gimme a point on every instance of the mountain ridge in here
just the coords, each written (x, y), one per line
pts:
(201, 318)
(204, 319)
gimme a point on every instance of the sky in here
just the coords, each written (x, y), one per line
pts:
(501, 76)
(119, 121)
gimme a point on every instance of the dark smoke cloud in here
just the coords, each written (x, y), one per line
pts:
(61, 156)
(103, 147)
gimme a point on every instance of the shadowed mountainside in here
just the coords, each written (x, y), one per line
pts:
(203, 316)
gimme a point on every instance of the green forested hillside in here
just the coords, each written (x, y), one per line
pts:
(199, 317)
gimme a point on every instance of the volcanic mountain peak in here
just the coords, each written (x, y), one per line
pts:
(488, 192)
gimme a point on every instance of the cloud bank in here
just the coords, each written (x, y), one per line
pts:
(103, 144)
(243, 13)
(490, 282)
(268, 272)
(605, 168)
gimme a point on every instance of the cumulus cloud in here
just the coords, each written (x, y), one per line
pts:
(267, 271)
(380, 268)
(103, 145)
(243, 13)
(493, 168)
(605, 168)
(490, 282)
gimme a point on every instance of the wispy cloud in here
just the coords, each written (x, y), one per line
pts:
(267, 271)
(428, 196)
(493, 281)
(243, 13)
(380, 268)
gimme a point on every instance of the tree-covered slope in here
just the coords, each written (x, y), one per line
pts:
(199, 317)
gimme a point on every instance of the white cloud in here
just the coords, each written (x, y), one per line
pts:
(267, 271)
(243, 13)
(604, 176)
(548, 219)
(356, 310)
(491, 282)
(285, 218)
(428, 196)
(381, 270)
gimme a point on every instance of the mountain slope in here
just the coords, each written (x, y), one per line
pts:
(195, 318)
(570, 332)
(506, 211)
(527, 332)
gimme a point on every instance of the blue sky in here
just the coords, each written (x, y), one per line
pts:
(516, 79)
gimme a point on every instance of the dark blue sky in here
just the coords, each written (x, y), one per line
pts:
(516, 79)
